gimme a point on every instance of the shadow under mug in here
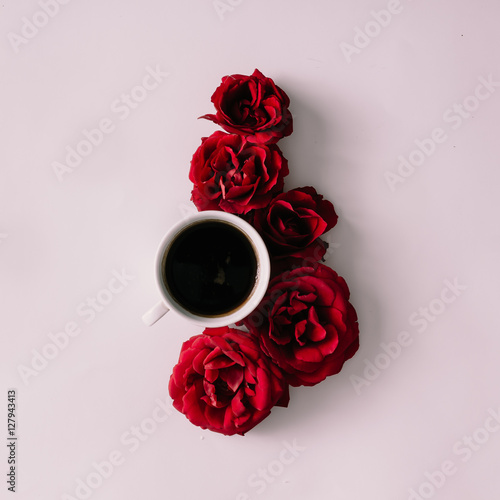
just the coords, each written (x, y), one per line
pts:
(170, 302)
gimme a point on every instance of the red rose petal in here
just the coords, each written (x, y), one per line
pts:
(331, 341)
(211, 375)
(214, 417)
(250, 392)
(300, 329)
(237, 406)
(315, 331)
(210, 395)
(233, 378)
(325, 294)
(261, 401)
(309, 353)
(191, 406)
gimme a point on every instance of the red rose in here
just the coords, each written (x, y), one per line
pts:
(235, 176)
(252, 106)
(294, 221)
(306, 323)
(224, 382)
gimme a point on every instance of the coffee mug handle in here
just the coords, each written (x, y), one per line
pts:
(155, 313)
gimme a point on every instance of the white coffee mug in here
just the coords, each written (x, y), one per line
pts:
(168, 301)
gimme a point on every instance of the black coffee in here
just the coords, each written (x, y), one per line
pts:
(210, 268)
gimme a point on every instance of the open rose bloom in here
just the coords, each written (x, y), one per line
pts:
(253, 106)
(306, 324)
(293, 222)
(224, 382)
(231, 174)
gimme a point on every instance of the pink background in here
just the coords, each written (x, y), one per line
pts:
(424, 419)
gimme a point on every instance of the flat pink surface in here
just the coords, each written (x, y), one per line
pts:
(396, 109)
